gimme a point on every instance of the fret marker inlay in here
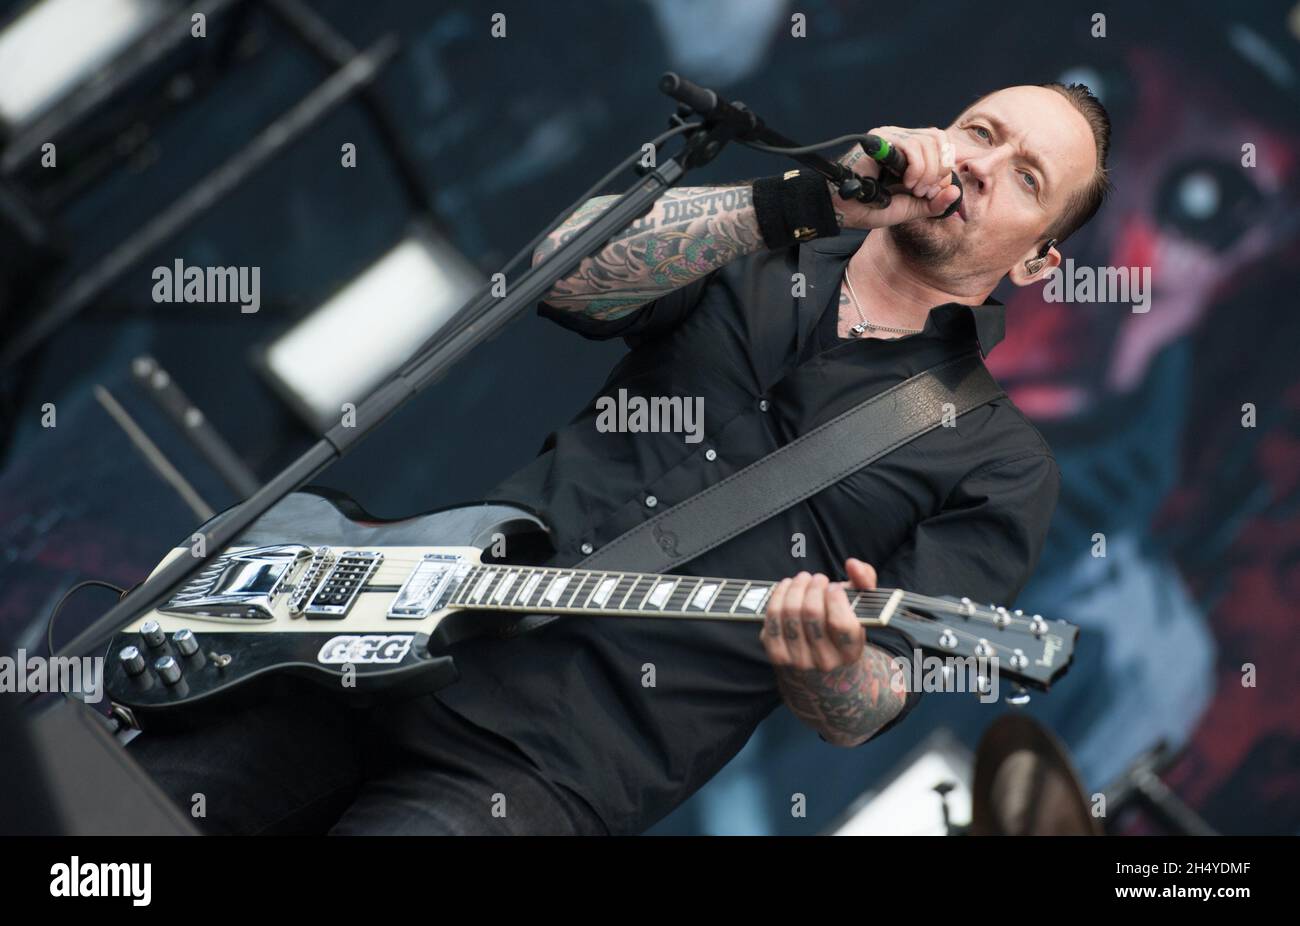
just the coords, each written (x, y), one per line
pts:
(481, 587)
(661, 593)
(557, 587)
(500, 593)
(603, 591)
(529, 584)
(705, 595)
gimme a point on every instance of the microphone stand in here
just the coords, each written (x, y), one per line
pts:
(720, 123)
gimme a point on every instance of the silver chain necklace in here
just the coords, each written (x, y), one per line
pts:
(860, 329)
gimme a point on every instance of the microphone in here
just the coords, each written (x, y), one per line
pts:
(895, 162)
(886, 155)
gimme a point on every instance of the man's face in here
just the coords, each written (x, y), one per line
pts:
(1021, 152)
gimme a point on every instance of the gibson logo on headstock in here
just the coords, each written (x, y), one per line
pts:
(1051, 645)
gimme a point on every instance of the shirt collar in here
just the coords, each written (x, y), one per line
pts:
(824, 260)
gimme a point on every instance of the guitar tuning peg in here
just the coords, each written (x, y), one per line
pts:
(1019, 696)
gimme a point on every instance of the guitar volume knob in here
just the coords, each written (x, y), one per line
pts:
(153, 633)
(168, 669)
(131, 659)
(185, 642)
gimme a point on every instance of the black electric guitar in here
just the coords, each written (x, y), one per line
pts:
(316, 588)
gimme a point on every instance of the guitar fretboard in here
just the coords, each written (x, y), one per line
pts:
(523, 588)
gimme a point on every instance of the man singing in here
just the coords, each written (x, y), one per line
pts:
(775, 304)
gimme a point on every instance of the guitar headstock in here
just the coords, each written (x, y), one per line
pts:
(1027, 649)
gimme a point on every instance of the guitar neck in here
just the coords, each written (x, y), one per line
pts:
(638, 594)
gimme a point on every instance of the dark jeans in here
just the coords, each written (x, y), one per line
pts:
(303, 763)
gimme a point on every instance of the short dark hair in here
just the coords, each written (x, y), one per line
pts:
(1083, 204)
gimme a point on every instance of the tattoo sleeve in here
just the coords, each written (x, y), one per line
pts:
(848, 705)
(689, 233)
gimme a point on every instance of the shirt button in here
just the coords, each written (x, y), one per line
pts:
(586, 549)
(651, 501)
(710, 454)
(763, 405)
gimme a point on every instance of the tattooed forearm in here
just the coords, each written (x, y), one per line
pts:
(848, 705)
(689, 233)
(848, 159)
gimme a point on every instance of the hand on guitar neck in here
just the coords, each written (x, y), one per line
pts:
(829, 675)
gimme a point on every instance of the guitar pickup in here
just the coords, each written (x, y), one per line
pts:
(429, 587)
(339, 589)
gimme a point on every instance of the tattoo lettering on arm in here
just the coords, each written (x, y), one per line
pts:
(847, 705)
(689, 233)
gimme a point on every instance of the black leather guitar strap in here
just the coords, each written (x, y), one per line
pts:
(792, 473)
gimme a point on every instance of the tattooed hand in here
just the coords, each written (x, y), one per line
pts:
(829, 676)
(927, 182)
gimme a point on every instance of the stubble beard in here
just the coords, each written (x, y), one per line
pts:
(922, 245)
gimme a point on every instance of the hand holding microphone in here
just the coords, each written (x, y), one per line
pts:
(793, 206)
(923, 160)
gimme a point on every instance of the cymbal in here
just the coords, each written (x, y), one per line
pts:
(1026, 785)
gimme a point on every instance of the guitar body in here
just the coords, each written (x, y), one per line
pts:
(343, 570)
